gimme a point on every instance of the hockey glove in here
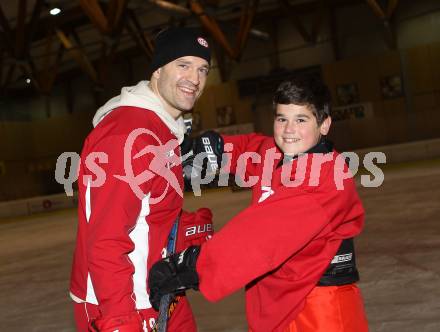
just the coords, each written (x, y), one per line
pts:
(126, 323)
(194, 228)
(173, 274)
(205, 155)
(186, 148)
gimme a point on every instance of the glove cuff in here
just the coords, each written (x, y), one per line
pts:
(190, 256)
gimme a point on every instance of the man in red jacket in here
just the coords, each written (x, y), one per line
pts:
(293, 247)
(130, 190)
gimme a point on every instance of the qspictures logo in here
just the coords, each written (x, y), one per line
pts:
(159, 160)
(160, 163)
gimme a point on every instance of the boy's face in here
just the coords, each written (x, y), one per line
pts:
(296, 129)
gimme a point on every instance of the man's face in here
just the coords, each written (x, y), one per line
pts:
(296, 130)
(181, 82)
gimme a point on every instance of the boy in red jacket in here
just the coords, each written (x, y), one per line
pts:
(292, 248)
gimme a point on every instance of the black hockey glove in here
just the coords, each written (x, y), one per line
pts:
(201, 155)
(173, 274)
(186, 147)
(187, 155)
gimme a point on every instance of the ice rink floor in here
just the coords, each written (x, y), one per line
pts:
(398, 257)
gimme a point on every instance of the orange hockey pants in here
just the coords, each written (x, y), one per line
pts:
(332, 309)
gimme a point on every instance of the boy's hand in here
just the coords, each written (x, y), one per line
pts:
(172, 274)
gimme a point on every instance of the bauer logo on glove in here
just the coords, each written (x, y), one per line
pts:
(201, 155)
(200, 229)
(194, 228)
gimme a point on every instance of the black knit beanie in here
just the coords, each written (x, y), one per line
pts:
(173, 43)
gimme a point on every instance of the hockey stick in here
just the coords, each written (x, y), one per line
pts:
(165, 301)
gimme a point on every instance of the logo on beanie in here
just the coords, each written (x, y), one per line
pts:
(202, 42)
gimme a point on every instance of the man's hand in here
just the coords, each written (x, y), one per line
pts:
(126, 323)
(173, 274)
(194, 228)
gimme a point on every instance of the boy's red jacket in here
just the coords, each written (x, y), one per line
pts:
(280, 245)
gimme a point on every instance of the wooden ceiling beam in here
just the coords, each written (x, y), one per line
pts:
(76, 37)
(211, 25)
(322, 14)
(74, 17)
(32, 66)
(48, 51)
(6, 33)
(1, 65)
(78, 55)
(247, 17)
(9, 75)
(222, 62)
(389, 34)
(6, 44)
(135, 29)
(20, 51)
(392, 5)
(377, 9)
(50, 80)
(20, 29)
(138, 39)
(31, 28)
(114, 46)
(70, 18)
(291, 13)
(94, 11)
(115, 11)
(272, 26)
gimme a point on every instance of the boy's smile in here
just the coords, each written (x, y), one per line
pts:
(296, 129)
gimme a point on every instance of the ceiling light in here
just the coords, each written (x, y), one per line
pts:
(55, 11)
(28, 80)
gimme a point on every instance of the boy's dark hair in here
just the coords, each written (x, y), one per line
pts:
(305, 91)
